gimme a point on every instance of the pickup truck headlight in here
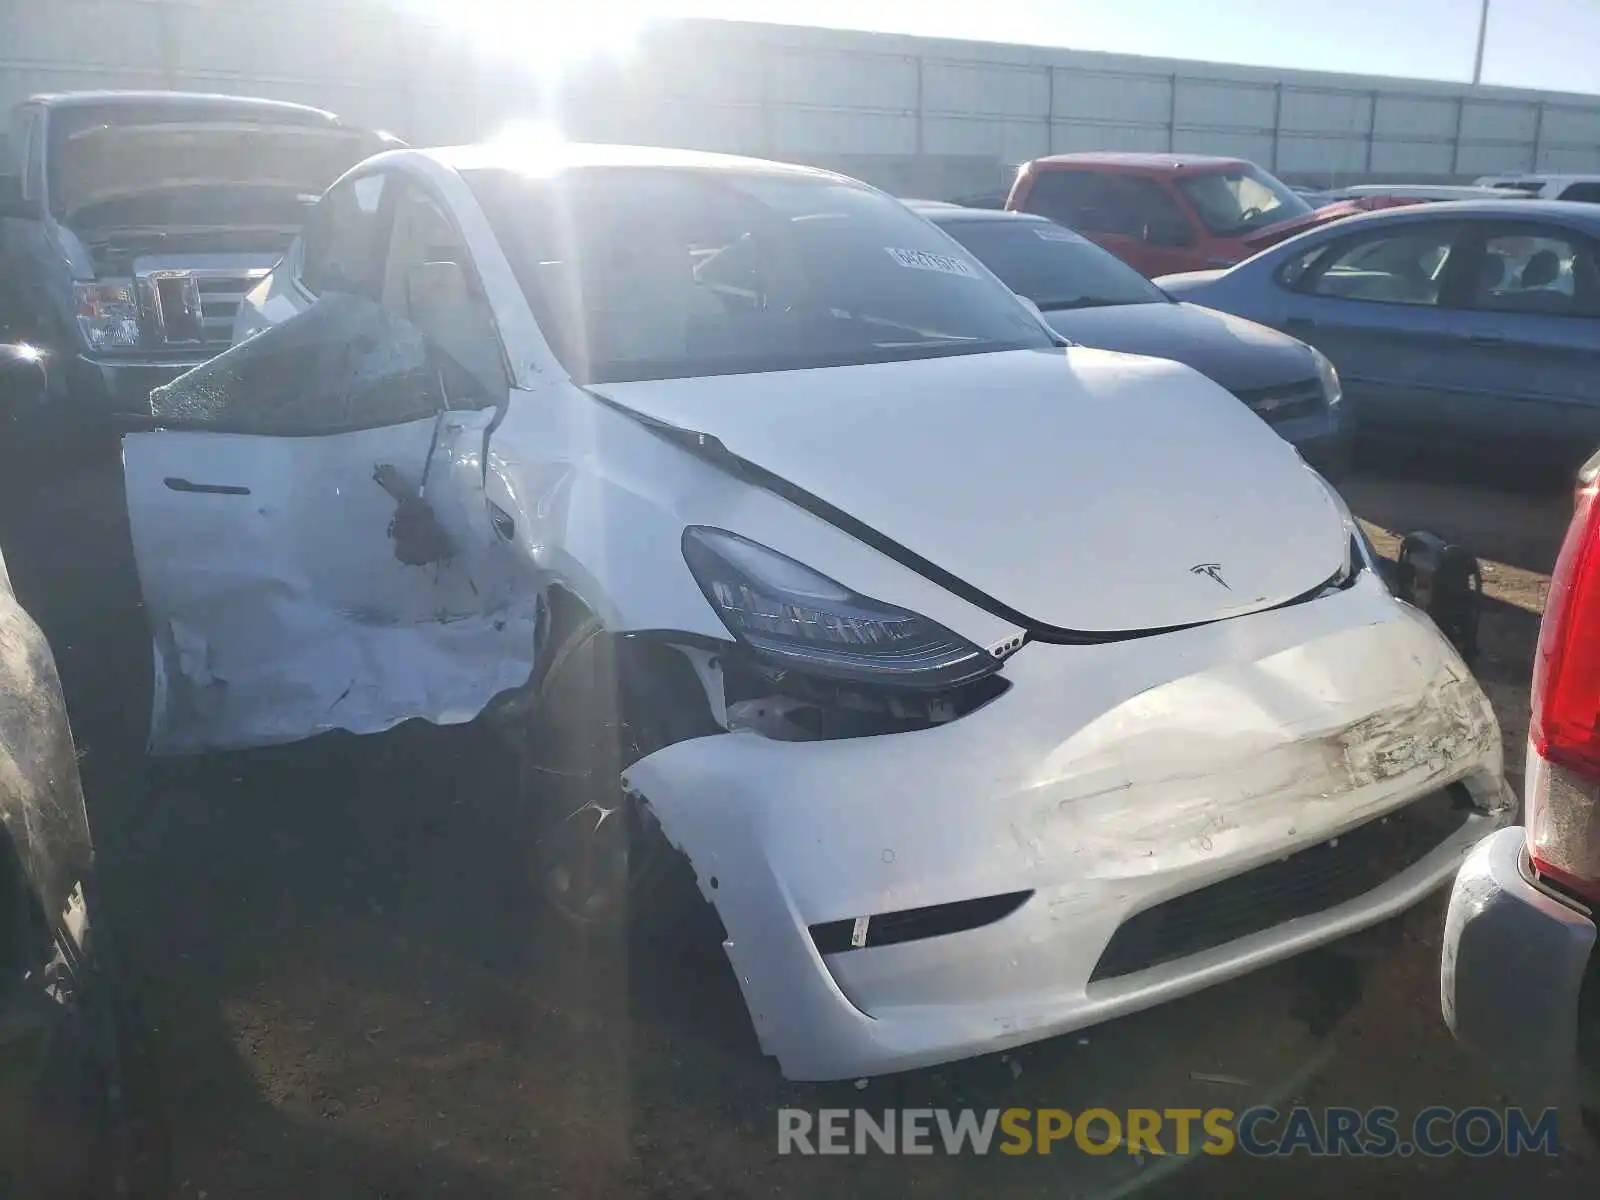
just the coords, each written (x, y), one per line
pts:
(1332, 391)
(108, 315)
(794, 617)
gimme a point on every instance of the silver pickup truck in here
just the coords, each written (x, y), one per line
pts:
(134, 223)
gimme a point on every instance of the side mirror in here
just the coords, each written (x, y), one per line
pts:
(24, 382)
(11, 202)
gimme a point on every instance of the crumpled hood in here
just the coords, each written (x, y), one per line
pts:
(1086, 490)
(1238, 354)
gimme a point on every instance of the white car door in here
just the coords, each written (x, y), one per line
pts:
(313, 540)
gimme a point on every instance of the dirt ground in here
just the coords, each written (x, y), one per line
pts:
(346, 987)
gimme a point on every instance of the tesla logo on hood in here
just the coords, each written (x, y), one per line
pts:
(1212, 571)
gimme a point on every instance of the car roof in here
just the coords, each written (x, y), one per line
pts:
(541, 156)
(1561, 212)
(241, 104)
(1452, 191)
(1144, 161)
(1541, 177)
(942, 213)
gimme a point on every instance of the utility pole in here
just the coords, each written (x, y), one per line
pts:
(1483, 32)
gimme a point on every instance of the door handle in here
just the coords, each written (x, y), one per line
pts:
(220, 489)
(1300, 323)
(1485, 339)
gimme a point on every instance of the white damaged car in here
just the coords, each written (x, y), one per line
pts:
(991, 687)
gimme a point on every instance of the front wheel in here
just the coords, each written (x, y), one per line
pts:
(600, 859)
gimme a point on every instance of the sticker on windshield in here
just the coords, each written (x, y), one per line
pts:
(1051, 233)
(922, 260)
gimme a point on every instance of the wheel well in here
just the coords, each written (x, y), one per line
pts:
(564, 612)
(663, 682)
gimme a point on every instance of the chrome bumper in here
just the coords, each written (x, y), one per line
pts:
(1512, 968)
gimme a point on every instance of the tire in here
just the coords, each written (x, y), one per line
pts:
(600, 860)
(83, 1143)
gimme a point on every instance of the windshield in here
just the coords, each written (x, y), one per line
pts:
(656, 274)
(1241, 199)
(1052, 266)
(105, 170)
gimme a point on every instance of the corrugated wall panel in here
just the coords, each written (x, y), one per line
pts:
(1075, 138)
(1254, 146)
(82, 33)
(694, 126)
(1486, 158)
(979, 90)
(831, 131)
(1304, 154)
(869, 81)
(1393, 157)
(1401, 116)
(1571, 126)
(1012, 141)
(1304, 111)
(914, 110)
(262, 45)
(1574, 160)
(1128, 99)
(1206, 104)
(1495, 122)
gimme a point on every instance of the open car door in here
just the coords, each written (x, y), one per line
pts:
(312, 537)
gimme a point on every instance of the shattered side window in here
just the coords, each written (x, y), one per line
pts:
(342, 364)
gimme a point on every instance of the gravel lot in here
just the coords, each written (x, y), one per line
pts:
(348, 990)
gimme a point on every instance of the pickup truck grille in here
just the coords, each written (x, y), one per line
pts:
(194, 308)
(1286, 402)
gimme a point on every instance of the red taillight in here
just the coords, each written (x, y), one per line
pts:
(1563, 783)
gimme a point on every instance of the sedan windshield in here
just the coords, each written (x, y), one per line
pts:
(1054, 267)
(651, 273)
(1240, 199)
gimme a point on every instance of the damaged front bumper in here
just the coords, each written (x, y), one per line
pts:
(902, 900)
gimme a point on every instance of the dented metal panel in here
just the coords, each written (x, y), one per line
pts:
(1108, 779)
(278, 605)
(41, 799)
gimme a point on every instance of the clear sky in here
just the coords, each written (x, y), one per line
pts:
(1551, 44)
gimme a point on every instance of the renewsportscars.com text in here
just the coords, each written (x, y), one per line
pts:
(1260, 1132)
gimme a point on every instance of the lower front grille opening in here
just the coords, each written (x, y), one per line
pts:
(1304, 883)
(914, 924)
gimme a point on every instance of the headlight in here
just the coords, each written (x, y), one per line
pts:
(1332, 392)
(794, 617)
(108, 315)
(1359, 552)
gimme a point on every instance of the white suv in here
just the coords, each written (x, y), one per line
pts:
(1583, 188)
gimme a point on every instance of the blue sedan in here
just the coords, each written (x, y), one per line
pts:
(1474, 322)
(1093, 298)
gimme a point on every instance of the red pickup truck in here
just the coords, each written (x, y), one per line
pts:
(1165, 213)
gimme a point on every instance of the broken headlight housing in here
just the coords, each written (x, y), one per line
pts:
(795, 618)
(108, 315)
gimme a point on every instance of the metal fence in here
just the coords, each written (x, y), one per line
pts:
(915, 114)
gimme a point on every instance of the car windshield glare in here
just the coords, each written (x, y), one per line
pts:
(1241, 199)
(1053, 266)
(655, 273)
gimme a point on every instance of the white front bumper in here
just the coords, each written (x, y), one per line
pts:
(1108, 779)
